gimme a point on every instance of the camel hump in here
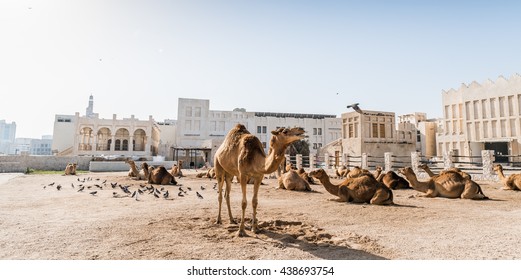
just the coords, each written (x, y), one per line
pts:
(252, 148)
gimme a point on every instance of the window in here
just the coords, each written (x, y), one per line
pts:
(188, 125)
(484, 104)
(503, 124)
(188, 111)
(259, 129)
(198, 111)
(314, 131)
(467, 110)
(476, 110)
(197, 125)
(264, 129)
(382, 130)
(510, 105)
(375, 130)
(485, 129)
(319, 131)
(351, 131)
(494, 129)
(478, 131)
(502, 106)
(513, 131)
(315, 146)
(492, 107)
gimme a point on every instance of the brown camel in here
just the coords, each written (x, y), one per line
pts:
(449, 185)
(160, 176)
(427, 170)
(304, 175)
(362, 189)
(242, 155)
(512, 182)
(70, 169)
(291, 180)
(357, 172)
(391, 180)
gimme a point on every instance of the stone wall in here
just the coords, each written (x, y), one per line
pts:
(10, 164)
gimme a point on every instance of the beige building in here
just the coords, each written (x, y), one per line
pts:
(94, 136)
(375, 133)
(425, 131)
(482, 117)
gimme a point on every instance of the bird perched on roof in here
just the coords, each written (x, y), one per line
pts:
(199, 195)
(94, 192)
(355, 107)
(166, 194)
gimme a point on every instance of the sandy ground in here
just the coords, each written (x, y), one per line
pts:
(37, 221)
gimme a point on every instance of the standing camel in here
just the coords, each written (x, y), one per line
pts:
(242, 155)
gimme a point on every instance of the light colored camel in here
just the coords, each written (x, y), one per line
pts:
(427, 170)
(242, 155)
(210, 173)
(449, 185)
(176, 169)
(160, 176)
(136, 174)
(362, 189)
(342, 171)
(133, 172)
(70, 169)
(357, 172)
(291, 180)
(512, 182)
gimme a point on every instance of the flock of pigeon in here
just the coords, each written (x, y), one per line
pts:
(92, 186)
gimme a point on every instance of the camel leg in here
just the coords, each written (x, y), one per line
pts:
(243, 180)
(228, 180)
(254, 202)
(472, 191)
(220, 181)
(382, 197)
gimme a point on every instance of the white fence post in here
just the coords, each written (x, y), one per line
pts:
(388, 161)
(364, 162)
(299, 161)
(312, 161)
(488, 164)
(415, 161)
(326, 161)
(447, 160)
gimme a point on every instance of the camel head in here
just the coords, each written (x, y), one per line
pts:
(423, 166)
(498, 167)
(282, 137)
(318, 173)
(406, 170)
(378, 169)
(144, 166)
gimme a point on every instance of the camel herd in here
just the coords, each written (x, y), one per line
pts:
(242, 156)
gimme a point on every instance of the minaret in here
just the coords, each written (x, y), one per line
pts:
(89, 112)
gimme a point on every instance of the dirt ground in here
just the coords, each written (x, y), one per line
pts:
(37, 221)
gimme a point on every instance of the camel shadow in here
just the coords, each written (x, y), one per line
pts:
(323, 250)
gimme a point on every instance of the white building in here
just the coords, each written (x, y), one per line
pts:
(42, 146)
(7, 136)
(482, 117)
(200, 131)
(91, 135)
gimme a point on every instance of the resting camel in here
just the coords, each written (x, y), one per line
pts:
(449, 185)
(135, 173)
(362, 189)
(304, 175)
(357, 172)
(391, 180)
(209, 174)
(176, 169)
(342, 171)
(242, 155)
(70, 169)
(512, 182)
(427, 170)
(291, 180)
(160, 176)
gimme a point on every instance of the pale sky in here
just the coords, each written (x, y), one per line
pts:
(138, 57)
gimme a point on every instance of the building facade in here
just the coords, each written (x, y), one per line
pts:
(480, 117)
(425, 131)
(200, 131)
(375, 133)
(94, 136)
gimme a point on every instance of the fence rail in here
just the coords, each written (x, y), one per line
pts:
(479, 167)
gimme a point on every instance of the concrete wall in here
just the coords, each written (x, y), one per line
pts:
(21, 163)
(115, 166)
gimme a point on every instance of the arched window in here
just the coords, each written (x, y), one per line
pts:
(118, 145)
(125, 145)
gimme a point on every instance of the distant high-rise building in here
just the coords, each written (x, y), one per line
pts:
(7, 135)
